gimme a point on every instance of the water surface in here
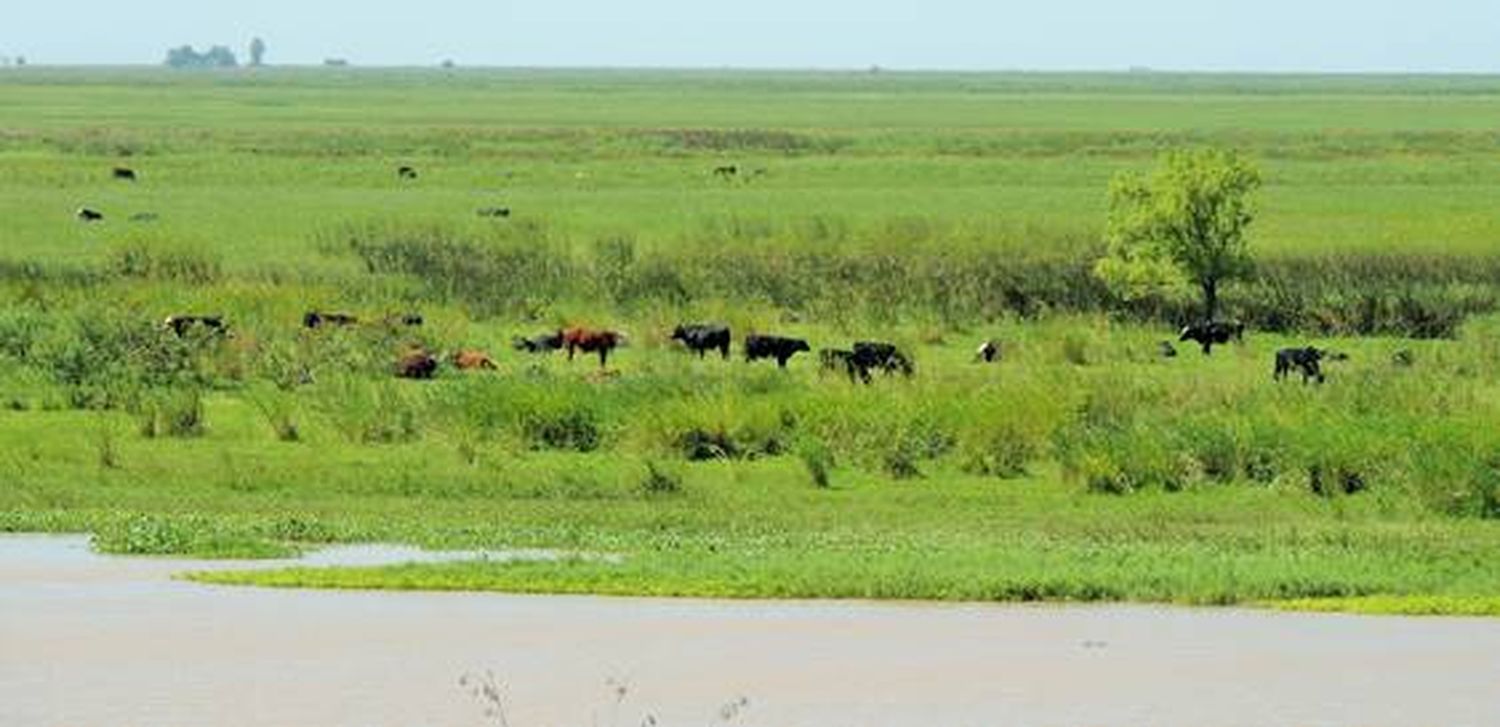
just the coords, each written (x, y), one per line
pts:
(90, 640)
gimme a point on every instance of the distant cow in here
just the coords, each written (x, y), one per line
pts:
(406, 172)
(843, 361)
(1403, 358)
(125, 173)
(703, 337)
(89, 215)
(319, 319)
(470, 360)
(543, 343)
(416, 364)
(727, 171)
(1211, 332)
(988, 352)
(884, 356)
(1304, 359)
(182, 324)
(780, 348)
(493, 212)
(409, 319)
(591, 341)
(1166, 349)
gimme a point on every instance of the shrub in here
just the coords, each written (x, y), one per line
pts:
(659, 481)
(818, 460)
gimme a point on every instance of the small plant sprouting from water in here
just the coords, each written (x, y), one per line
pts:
(489, 692)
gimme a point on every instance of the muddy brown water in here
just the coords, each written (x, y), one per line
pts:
(91, 640)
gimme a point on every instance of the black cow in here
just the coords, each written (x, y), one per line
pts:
(883, 356)
(703, 337)
(410, 320)
(1211, 332)
(988, 352)
(842, 360)
(416, 364)
(493, 212)
(89, 215)
(544, 343)
(125, 173)
(406, 172)
(318, 319)
(780, 348)
(1304, 359)
(182, 324)
(727, 171)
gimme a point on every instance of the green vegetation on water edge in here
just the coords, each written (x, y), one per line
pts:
(933, 211)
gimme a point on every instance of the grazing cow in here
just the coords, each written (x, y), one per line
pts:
(1211, 332)
(780, 348)
(493, 212)
(317, 319)
(988, 352)
(469, 360)
(1304, 359)
(89, 215)
(703, 337)
(1166, 349)
(543, 343)
(838, 359)
(883, 356)
(183, 324)
(145, 217)
(410, 320)
(406, 172)
(591, 341)
(1403, 358)
(125, 173)
(416, 364)
(727, 171)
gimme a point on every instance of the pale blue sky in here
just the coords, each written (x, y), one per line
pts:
(1272, 35)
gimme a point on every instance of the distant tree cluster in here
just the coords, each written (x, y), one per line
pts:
(216, 57)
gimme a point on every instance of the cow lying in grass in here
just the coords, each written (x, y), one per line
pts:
(542, 343)
(472, 360)
(184, 324)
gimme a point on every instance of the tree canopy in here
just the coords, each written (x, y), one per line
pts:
(216, 57)
(1181, 227)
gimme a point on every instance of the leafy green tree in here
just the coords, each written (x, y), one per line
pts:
(257, 52)
(1181, 227)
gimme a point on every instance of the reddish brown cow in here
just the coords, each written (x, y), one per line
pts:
(590, 341)
(469, 360)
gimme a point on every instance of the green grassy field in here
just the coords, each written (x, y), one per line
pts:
(932, 210)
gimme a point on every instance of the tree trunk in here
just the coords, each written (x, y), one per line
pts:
(1210, 299)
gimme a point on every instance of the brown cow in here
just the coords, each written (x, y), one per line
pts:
(470, 359)
(590, 341)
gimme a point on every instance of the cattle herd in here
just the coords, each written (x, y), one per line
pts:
(857, 362)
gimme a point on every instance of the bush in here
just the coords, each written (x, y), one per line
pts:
(575, 429)
(659, 481)
(818, 460)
